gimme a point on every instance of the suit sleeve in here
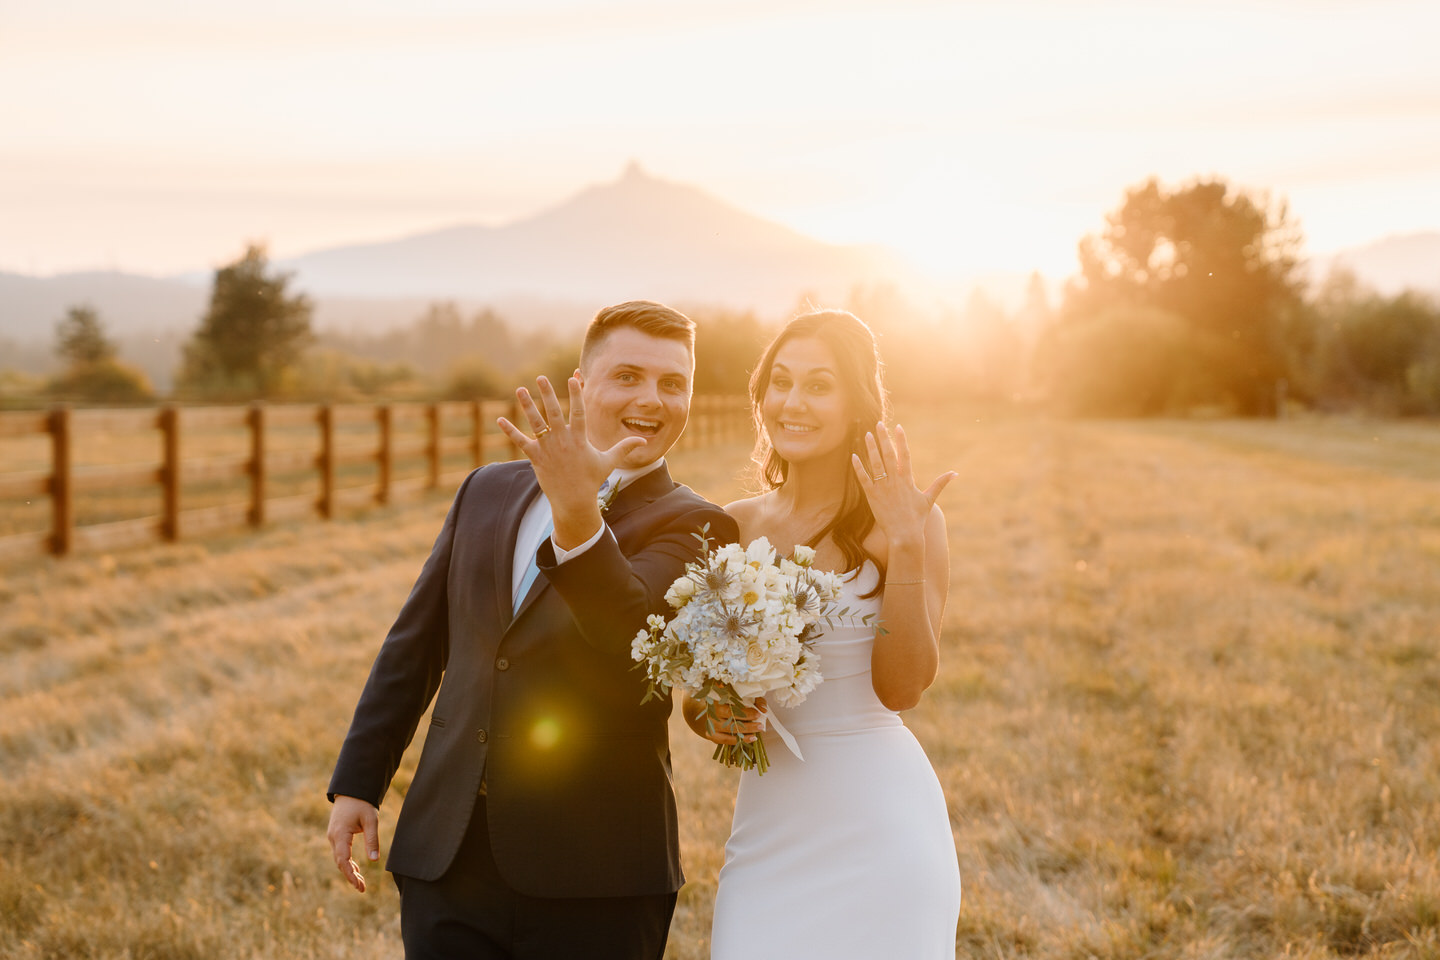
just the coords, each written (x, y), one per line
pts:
(610, 592)
(403, 679)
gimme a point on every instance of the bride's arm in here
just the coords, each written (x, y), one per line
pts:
(907, 654)
(917, 569)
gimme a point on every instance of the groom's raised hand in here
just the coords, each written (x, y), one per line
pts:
(568, 466)
(348, 817)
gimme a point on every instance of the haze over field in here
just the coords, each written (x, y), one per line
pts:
(635, 235)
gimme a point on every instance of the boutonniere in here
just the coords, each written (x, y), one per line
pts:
(606, 495)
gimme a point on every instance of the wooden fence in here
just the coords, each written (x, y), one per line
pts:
(351, 455)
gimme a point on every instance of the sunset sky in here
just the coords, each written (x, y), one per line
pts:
(157, 136)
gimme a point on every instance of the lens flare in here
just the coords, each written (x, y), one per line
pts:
(545, 734)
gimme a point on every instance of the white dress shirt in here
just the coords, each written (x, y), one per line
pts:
(537, 520)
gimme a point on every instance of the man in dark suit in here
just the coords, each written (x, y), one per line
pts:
(540, 822)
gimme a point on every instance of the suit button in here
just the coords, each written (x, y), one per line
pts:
(502, 664)
(482, 736)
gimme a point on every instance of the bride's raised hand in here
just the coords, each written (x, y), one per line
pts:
(899, 505)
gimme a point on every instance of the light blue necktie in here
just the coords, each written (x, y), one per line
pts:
(532, 570)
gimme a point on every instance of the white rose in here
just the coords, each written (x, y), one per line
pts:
(803, 555)
(757, 656)
(680, 592)
(767, 667)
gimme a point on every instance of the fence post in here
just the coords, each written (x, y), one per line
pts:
(432, 419)
(169, 424)
(477, 433)
(256, 420)
(382, 486)
(326, 503)
(62, 517)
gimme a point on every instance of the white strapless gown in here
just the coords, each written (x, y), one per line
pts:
(848, 854)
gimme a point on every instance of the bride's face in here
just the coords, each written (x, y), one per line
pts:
(804, 407)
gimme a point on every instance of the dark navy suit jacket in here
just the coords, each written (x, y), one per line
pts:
(544, 704)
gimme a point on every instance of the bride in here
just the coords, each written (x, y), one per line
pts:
(847, 853)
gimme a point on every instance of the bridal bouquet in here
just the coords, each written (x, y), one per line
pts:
(743, 628)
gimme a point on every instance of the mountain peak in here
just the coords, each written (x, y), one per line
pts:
(636, 235)
(634, 173)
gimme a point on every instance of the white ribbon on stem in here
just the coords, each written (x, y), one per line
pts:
(771, 721)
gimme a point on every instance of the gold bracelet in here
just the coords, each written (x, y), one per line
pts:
(902, 583)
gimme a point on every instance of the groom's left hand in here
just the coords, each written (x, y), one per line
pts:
(568, 466)
(349, 817)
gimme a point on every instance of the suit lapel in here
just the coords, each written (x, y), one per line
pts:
(642, 491)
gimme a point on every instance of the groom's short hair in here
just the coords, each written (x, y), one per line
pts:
(647, 316)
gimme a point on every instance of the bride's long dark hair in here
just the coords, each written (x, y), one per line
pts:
(860, 374)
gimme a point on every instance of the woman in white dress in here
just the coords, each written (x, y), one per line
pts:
(847, 853)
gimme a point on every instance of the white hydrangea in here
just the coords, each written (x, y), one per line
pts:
(742, 627)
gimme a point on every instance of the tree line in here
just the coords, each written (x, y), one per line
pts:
(1189, 300)
(1194, 298)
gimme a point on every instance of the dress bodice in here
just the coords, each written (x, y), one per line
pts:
(845, 700)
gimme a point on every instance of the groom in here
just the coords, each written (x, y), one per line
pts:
(540, 822)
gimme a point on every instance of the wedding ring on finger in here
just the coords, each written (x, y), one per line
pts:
(878, 477)
(542, 431)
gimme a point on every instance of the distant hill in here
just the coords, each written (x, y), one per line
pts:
(636, 237)
(1390, 265)
(128, 304)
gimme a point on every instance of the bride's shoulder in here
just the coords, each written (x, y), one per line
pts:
(747, 508)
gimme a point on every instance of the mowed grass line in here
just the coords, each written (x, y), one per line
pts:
(168, 720)
(171, 773)
(1187, 705)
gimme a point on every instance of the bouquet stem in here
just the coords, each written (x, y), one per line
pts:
(746, 756)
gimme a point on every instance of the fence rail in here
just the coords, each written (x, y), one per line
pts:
(362, 446)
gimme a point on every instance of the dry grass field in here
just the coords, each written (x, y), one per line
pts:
(1189, 706)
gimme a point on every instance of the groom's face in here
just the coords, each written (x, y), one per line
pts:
(636, 385)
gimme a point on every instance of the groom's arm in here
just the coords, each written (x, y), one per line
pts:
(403, 679)
(610, 593)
